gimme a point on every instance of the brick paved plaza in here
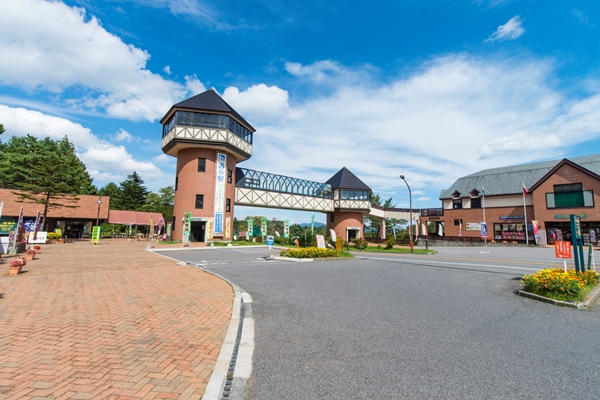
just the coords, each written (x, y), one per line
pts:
(109, 321)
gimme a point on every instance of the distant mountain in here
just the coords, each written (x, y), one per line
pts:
(308, 224)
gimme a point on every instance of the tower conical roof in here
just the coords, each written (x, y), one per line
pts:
(344, 179)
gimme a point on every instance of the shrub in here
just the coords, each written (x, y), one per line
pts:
(360, 243)
(560, 285)
(308, 252)
(390, 243)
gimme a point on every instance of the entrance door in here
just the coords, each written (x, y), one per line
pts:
(198, 231)
(353, 234)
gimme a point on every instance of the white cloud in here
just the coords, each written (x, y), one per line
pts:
(509, 31)
(195, 10)
(123, 136)
(193, 85)
(54, 47)
(582, 17)
(105, 161)
(259, 102)
(167, 70)
(452, 116)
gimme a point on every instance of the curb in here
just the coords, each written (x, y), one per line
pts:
(233, 368)
(592, 297)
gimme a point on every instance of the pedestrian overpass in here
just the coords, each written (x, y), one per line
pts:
(262, 189)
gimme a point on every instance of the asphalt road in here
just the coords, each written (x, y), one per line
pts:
(446, 326)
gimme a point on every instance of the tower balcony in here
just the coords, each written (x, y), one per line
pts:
(193, 129)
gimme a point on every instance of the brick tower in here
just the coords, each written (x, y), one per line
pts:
(209, 138)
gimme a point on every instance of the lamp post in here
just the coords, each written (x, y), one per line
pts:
(98, 215)
(410, 222)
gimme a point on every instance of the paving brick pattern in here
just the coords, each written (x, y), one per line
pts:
(109, 321)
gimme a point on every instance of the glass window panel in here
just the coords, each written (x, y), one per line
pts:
(550, 200)
(588, 198)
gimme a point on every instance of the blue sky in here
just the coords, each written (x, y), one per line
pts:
(431, 89)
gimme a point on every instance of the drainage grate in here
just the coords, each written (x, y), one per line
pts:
(229, 381)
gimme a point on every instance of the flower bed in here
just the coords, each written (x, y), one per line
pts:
(308, 252)
(560, 285)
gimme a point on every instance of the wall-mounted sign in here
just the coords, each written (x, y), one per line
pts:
(473, 226)
(509, 217)
(567, 216)
(220, 192)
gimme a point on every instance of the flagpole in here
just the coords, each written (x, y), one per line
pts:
(525, 215)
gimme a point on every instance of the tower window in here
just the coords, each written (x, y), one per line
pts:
(202, 165)
(199, 201)
(176, 182)
(229, 176)
(228, 205)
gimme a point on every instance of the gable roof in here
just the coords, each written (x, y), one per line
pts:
(344, 179)
(133, 217)
(86, 206)
(207, 101)
(508, 180)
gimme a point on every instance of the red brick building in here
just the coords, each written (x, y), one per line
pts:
(555, 190)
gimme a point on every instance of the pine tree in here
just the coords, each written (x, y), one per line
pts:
(44, 172)
(133, 193)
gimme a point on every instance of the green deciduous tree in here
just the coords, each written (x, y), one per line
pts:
(161, 202)
(45, 172)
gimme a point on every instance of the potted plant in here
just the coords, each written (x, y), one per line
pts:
(59, 238)
(38, 248)
(16, 265)
(31, 254)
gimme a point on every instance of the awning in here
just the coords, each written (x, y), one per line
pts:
(133, 217)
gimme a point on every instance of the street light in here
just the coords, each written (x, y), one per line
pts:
(410, 223)
(98, 216)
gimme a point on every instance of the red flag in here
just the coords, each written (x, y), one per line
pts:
(524, 189)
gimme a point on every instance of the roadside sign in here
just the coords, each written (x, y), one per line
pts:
(320, 241)
(562, 249)
(270, 240)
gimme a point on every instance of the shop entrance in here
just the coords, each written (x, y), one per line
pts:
(198, 231)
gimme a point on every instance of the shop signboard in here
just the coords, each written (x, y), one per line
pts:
(209, 229)
(510, 217)
(40, 237)
(320, 241)
(473, 226)
(7, 226)
(227, 227)
(95, 235)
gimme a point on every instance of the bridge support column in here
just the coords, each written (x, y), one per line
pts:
(382, 228)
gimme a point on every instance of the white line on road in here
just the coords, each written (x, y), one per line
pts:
(449, 263)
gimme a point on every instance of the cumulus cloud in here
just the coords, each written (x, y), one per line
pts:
(451, 116)
(259, 102)
(105, 161)
(54, 47)
(123, 136)
(509, 31)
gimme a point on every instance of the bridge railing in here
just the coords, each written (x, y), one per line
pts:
(247, 178)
